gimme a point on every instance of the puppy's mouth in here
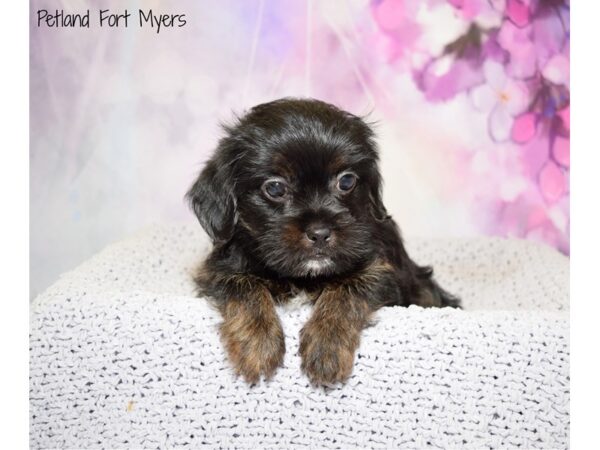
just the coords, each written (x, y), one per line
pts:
(318, 265)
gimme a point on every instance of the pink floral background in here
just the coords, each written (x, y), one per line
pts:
(469, 98)
(513, 64)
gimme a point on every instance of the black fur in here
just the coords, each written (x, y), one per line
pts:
(306, 145)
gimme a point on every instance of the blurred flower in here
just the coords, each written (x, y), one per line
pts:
(512, 59)
(390, 14)
(524, 128)
(502, 98)
(565, 115)
(552, 182)
(396, 18)
(521, 49)
(550, 30)
(484, 13)
(561, 151)
(532, 45)
(443, 78)
(518, 12)
(459, 67)
(550, 108)
(556, 70)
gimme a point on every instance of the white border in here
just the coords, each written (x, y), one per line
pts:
(585, 215)
(14, 152)
(585, 223)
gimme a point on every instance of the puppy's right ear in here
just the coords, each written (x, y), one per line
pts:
(213, 201)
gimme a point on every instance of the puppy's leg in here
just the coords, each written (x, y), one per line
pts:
(328, 341)
(251, 331)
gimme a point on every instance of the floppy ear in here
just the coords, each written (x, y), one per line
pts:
(213, 201)
(376, 206)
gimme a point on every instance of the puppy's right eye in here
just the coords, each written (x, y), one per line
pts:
(275, 189)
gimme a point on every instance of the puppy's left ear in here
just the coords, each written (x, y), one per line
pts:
(376, 206)
(213, 201)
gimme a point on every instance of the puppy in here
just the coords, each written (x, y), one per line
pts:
(292, 201)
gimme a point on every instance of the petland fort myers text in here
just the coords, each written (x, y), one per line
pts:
(107, 18)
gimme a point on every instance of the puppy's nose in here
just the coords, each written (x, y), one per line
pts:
(318, 234)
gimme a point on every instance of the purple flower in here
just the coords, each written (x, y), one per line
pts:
(396, 18)
(460, 66)
(533, 45)
(485, 13)
(524, 128)
(502, 98)
(518, 12)
(552, 181)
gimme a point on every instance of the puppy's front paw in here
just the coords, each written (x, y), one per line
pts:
(327, 357)
(255, 348)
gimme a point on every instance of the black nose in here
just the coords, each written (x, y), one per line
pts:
(318, 234)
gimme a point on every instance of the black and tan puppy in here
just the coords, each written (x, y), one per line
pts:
(292, 201)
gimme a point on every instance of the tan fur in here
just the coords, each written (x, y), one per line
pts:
(330, 338)
(252, 335)
(253, 338)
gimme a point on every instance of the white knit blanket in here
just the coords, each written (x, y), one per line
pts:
(124, 356)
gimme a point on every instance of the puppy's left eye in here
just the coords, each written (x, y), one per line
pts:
(346, 182)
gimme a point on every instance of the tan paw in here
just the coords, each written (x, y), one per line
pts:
(255, 348)
(327, 358)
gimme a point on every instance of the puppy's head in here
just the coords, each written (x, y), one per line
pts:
(297, 181)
